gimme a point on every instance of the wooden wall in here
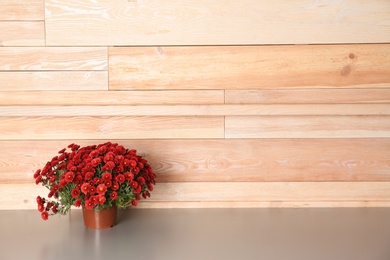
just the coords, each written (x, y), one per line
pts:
(236, 103)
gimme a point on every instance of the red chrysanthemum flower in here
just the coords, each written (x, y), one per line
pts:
(61, 158)
(109, 157)
(95, 162)
(119, 158)
(140, 165)
(89, 204)
(115, 186)
(85, 188)
(107, 176)
(109, 165)
(120, 168)
(77, 203)
(138, 189)
(133, 163)
(134, 203)
(108, 183)
(129, 176)
(101, 199)
(97, 181)
(75, 192)
(134, 184)
(101, 189)
(45, 215)
(141, 180)
(36, 174)
(114, 195)
(94, 200)
(38, 179)
(41, 208)
(102, 149)
(92, 189)
(147, 194)
(120, 178)
(68, 177)
(94, 153)
(63, 182)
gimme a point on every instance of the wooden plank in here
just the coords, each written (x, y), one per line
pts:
(263, 204)
(22, 10)
(273, 191)
(188, 22)
(250, 67)
(53, 58)
(238, 160)
(22, 196)
(305, 96)
(307, 127)
(76, 128)
(80, 98)
(15, 82)
(200, 110)
(22, 33)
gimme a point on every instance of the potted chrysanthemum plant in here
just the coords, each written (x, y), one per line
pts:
(98, 178)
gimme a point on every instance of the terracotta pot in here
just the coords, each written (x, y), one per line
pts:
(105, 218)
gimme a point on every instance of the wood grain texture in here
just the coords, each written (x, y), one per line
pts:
(22, 196)
(307, 127)
(250, 67)
(200, 110)
(235, 103)
(238, 160)
(22, 33)
(22, 10)
(273, 191)
(78, 97)
(53, 58)
(307, 96)
(75, 128)
(13, 83)
(215, 23)
(263, 204)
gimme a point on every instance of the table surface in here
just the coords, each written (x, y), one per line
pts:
(185, 234)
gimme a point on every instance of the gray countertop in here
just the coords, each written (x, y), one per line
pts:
(331, 234)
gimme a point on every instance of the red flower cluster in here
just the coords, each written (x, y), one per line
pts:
(94, 177)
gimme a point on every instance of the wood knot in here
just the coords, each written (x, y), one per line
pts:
(346, 70)
(352, 56)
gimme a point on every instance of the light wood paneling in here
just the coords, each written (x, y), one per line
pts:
(241, 160)
(259, 67)
(22, 10)
(53, 58)
(69, 81)
(307, 96)
(307, 127)
(235, 103)
(22, 196)
(199, 110)
(22, 33)
(14, 82)
(203, 22)
(17, 128)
